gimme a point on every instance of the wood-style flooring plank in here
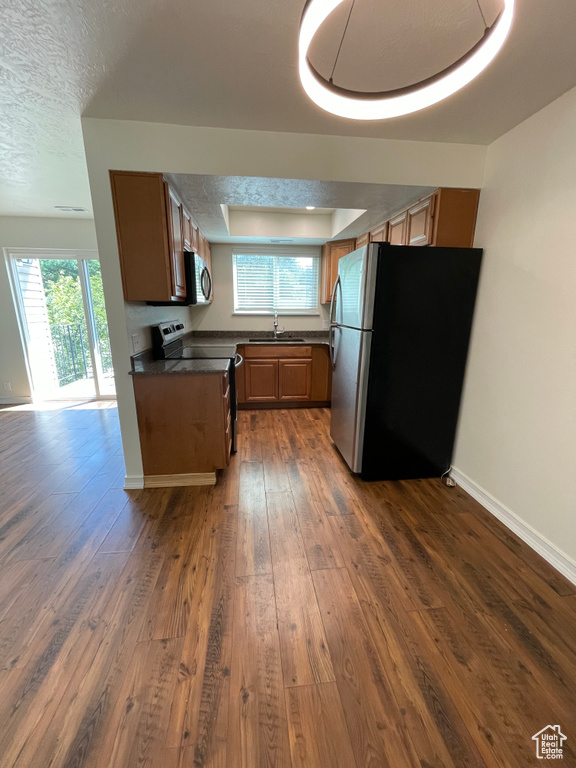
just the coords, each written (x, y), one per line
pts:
(206, 719)
(379, 733)
(319, 541)
(305, 655)
(257, 734)
(253, 548)
(318, 732)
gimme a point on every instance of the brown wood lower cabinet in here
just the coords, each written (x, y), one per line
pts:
(261, 380)
(275, 376)
(295, 379)
(184, 422)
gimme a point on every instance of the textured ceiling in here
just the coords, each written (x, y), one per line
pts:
(220, 63)
(205, 194)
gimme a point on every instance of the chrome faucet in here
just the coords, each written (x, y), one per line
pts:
(276, 331)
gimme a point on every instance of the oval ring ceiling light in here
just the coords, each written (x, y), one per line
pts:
(402, 101)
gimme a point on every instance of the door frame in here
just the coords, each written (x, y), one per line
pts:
(78, 255)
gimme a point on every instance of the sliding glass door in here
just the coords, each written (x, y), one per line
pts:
(64, 326)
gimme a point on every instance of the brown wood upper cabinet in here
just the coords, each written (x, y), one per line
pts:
(153, 229)
(176, 245)
(331, 253)
(187, 229)
(419, 222)
(379, 234)
(446, 218)
(397, 229)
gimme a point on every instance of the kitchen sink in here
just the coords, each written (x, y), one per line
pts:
(285, 340)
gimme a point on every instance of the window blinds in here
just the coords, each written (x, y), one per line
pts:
(275, 283)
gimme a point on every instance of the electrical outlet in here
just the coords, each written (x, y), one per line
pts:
(7, 386)
(136, 343)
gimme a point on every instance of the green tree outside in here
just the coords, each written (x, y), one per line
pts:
(65, 307)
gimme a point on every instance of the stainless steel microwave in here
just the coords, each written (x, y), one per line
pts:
(198, 283)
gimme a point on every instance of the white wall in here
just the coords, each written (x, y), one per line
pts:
(257, 224)
(24, 232)
(139, 317)
(517, 433)
(219, 316)
(128, 145)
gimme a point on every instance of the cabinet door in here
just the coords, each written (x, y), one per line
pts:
(363, 240)
(187, 229)
(261, 380)
(331, 254)
(207, 254)
(321, 373)
(379, 234)
(397, 229)
(455, 217)
(195, 238)
(177, 247)
(142, 217)
(420, 222)
(295, 379)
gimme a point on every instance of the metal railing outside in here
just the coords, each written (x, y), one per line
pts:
(71, 353)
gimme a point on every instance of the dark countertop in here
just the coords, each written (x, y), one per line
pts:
(207, 338)
(143, 364)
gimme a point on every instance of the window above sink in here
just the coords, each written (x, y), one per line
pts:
(269, 282)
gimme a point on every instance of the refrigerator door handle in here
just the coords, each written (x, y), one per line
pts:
(331, 344)
(333, 303)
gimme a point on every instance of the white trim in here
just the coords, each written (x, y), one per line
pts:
(178, 481)
(312, 313)
(261, 249)
(15, 400)
(539, 543)
(51, 253)
(133, 482)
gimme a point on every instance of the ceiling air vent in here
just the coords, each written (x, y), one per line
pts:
(281, 242)
(71, 209)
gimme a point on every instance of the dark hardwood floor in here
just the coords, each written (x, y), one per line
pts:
(289, 617)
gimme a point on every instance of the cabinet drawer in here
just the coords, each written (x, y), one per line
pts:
(276, 351)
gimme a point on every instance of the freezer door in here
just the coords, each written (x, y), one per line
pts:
(356, 286)
(349, 389)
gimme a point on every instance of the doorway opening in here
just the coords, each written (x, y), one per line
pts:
(64, 327)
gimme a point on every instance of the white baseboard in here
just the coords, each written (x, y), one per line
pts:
(550, 552)
(177, 481)
(15, 400)
(133, 482)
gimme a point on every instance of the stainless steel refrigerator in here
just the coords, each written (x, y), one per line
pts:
(400, 325)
